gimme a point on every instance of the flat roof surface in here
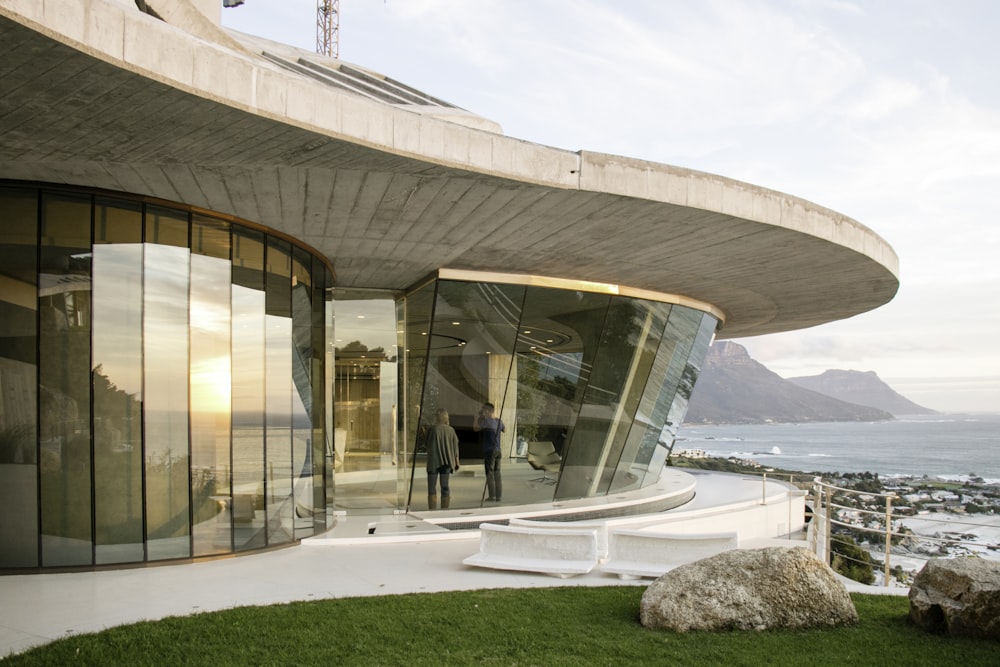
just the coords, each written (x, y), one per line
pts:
(102, 95)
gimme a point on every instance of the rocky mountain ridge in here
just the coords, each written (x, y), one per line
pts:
(863, 388)
(733, 388)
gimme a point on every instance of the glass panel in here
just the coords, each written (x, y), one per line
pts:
(678, 337)
(333, 458)
(600, 423)
(278, 379)
(415, 310)
(211, 384)
(19, 378)
(321, 445)
(302, 395)
(117, 382)
(166, 226)
(557, 346)
(364, 390)
(64, 380)
(631, 339)
(248, 389)
(678, 407)
(649, 418)
(166, 364)
(469, 365)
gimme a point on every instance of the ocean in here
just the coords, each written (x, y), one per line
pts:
(949, 446)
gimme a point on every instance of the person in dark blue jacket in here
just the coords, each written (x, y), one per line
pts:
(489, 429)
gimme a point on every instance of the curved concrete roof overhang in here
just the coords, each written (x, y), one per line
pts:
(102, 95)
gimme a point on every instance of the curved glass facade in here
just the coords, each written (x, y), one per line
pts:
(590, 386)
(172, 384)
(163, 382)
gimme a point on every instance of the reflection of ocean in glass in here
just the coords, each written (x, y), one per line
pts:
(248, 451)
(946, 445)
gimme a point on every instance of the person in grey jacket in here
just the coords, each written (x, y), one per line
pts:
(442, 459)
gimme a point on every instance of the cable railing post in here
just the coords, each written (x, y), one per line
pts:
(763, 490)
(888, 539)
(814, 520)
(791, 490)
(828, 528)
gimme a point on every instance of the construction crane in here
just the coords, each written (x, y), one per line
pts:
(328, 28)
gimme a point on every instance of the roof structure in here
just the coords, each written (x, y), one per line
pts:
(390, 190)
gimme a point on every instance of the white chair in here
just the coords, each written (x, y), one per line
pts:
(543, 456)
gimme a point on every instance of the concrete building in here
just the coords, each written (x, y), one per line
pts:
(238, 280)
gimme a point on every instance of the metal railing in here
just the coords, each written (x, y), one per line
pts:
(840, 513)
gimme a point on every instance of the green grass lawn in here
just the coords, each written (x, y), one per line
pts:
(543, 626)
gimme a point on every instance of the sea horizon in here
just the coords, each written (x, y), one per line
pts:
(950, 446)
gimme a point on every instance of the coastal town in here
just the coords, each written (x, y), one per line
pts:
(929, 517)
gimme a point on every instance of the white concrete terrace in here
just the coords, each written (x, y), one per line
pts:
(348, 562)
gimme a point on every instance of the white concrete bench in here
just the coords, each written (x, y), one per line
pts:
(601, 528)
(642, 553)
(555, 551)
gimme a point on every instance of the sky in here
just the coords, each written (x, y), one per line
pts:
(887, 111)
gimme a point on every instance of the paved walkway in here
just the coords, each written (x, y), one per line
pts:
(38, 608)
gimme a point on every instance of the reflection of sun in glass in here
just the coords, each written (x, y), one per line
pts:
(211, 385)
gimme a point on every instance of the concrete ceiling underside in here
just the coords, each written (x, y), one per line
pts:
(387, 220)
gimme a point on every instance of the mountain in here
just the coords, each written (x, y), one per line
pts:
(865, 388)
(734, 389)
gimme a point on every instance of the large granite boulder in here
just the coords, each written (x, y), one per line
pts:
(958, 596)
(750, 589)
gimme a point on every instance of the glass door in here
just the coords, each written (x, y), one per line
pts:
(366, 447)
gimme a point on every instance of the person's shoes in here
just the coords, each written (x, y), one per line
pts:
(491, 500)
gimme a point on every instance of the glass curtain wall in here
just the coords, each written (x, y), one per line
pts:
(163, 383)
(469, 363)
(583, 382)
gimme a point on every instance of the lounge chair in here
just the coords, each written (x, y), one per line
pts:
(543, 456)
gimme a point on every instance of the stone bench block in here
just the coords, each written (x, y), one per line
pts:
(554, 551)
(641, 553)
